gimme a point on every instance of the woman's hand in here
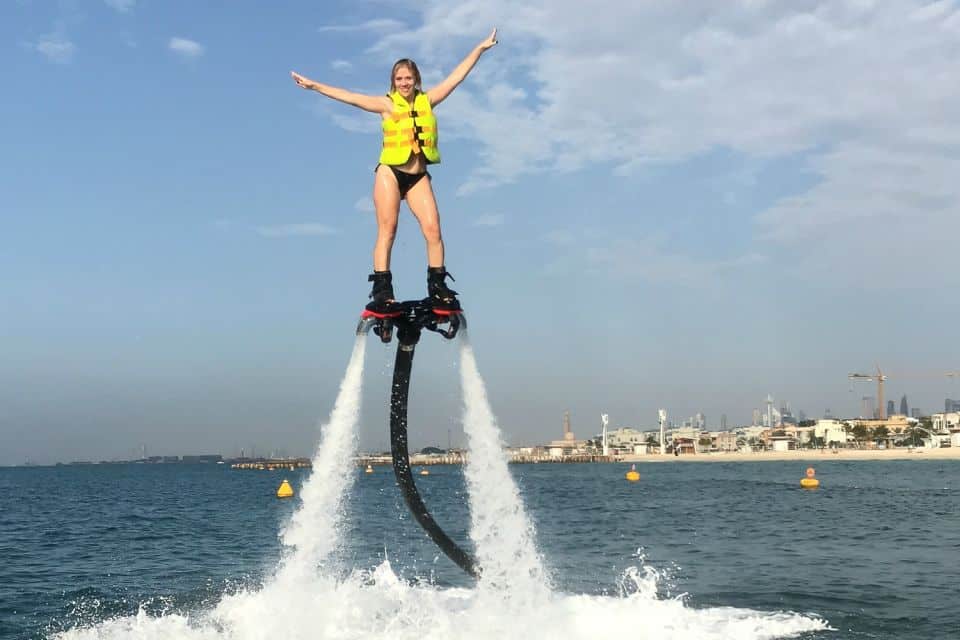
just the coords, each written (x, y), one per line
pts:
(489, 42)
(303, 81)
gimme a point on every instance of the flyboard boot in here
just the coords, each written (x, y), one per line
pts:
(439, 312)
(442, 298)
(382, 304)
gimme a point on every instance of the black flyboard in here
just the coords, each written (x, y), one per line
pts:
(409, 319)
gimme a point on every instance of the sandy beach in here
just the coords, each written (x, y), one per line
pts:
(807, 455)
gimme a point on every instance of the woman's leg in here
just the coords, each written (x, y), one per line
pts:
(423, 204)
(386, 201)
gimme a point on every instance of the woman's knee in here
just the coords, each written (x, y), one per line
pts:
(431, 230)
(387, 233)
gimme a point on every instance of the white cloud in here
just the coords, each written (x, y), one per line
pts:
(186, 48)
(364, 205)
(123, 6)
(55, 48)
(489, 220)
(880, 216)
(341, 65)
(866, 91)
(295, 230)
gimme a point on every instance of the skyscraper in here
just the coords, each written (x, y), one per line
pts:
(951, 405)
(903, 406)
(756, 417)
(868, 407)
(891, 408)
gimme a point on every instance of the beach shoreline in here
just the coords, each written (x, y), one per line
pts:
(806, 455)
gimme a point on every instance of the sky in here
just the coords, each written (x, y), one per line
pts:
(645, 205)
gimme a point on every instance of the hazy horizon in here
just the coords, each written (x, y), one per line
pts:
(684, 207)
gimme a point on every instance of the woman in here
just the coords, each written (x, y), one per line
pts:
(409, 145)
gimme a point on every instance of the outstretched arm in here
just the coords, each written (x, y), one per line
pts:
(374, 104)
(439, 93)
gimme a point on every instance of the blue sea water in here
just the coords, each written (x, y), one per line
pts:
(875, 551)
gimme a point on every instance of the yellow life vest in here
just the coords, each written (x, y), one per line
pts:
(408, 131)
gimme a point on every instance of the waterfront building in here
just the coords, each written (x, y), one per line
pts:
(786, 437)
(685, 440)
(897, 427)
(945, 422)
(569, 445)
(723, 441)
(752, 434)
(627, 440)
(783, 443)
(831, 431)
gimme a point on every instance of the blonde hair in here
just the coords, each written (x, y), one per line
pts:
(412, 66)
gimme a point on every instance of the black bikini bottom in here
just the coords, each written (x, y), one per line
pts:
(405, 181)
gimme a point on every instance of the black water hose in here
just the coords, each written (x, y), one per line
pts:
(401, 459)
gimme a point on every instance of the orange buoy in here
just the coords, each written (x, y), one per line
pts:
(810, 482)
(633, 475)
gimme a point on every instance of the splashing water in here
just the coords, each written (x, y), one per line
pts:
(309, 599)
(500, 529)
(376, 604)
(313, 531)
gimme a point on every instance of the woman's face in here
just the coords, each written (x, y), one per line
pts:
(403, 82)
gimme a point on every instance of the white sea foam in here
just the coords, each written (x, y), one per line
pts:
(375, 604)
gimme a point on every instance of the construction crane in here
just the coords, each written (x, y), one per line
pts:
(880, 378)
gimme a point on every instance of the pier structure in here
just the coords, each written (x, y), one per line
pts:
(525, 455)
(272, 464)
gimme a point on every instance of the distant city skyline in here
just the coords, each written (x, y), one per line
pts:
(568, 425)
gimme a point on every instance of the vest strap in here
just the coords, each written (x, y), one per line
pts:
(406, 143)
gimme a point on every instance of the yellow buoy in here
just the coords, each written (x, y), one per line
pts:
(810, 482)
(369, 469)
(633, 475)
(285, 490)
